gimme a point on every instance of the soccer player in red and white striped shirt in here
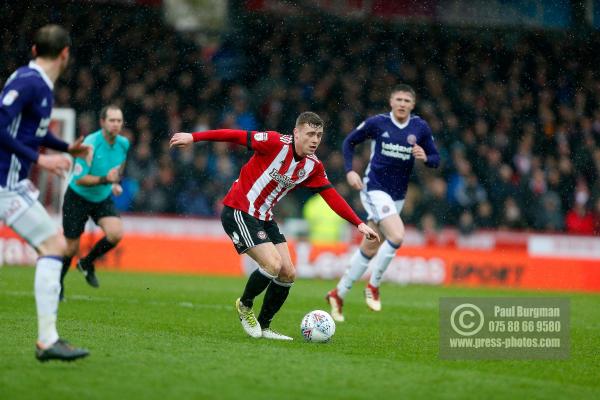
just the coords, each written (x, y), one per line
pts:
(280, 163)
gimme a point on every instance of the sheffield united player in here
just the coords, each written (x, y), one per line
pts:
(280, 163)
(25, 107)
(398, 139)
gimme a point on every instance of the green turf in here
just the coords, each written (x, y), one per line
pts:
(177, 337)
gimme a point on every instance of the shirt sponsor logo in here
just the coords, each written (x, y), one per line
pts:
(10, 97)
(286, 181)
(261, 136)
(396, 151)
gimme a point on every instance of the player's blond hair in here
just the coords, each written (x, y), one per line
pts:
(310, 118)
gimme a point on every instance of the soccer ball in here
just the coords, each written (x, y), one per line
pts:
(317, 326)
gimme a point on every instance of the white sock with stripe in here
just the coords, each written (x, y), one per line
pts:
(358, 265)
(384, 256)
(47, 288)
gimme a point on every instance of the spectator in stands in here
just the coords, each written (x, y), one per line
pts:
(512, 217)
(435, 202)
(470, 193)
(512, 115)
(597, 217)
(484, 217)
(466, 223)
(580, 219)
(548, 214)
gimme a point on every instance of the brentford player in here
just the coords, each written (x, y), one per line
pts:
(280, 163)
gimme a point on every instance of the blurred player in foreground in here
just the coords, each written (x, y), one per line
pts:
(280, 163)
(89, 194)
(398, 139)
(25, 107)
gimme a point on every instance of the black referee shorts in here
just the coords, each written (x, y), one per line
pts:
(76, 211)
(247, 231)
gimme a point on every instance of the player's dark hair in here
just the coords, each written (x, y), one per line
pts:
(402, 87)
(50, 40)
(310, 118)
(104, 110)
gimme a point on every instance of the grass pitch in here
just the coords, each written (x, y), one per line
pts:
(178, 337)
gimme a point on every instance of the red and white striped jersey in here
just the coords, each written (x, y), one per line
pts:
(271, 173)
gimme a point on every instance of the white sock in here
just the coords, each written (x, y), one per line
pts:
(47, 288)
(385, 254)
(358, 265)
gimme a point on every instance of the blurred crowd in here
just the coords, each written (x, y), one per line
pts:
(515, 114)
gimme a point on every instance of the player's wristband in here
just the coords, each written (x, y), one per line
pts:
(103, 180)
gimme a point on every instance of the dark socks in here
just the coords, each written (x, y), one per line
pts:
(101, 247)
(274, 299)
(65, 268)
(257, 282)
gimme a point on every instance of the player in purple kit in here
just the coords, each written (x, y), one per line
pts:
(25, 107)
(398, 139)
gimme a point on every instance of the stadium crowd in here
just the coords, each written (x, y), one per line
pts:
(515, 116)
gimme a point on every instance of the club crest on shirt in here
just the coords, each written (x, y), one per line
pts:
(411, 139)
(301, 173)
(385, 209)
(262, 235)
(261, 136)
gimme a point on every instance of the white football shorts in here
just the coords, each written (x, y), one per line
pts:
(379, 205)
(20, 209)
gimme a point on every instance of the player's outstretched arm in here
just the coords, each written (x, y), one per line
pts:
(182, 139)
(368, 232)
